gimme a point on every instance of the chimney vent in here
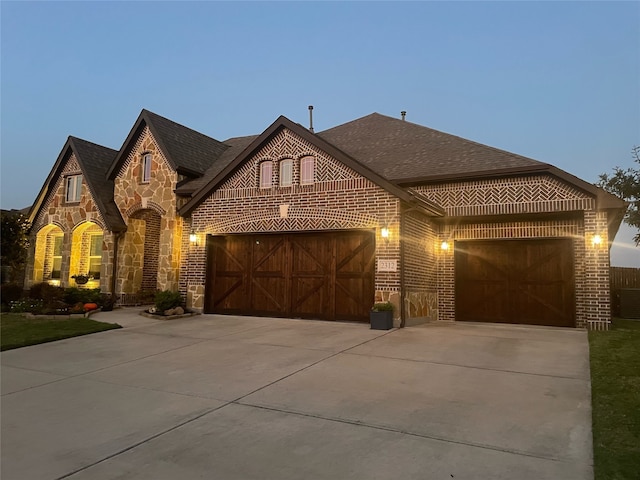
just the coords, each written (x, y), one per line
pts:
(311, 118)
(403, 113)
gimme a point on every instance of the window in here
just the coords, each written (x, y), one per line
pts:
(95, 255)
(307, 170)
(266, 169)
(56, 258)
(146, 168)
(73, 188)
(286, 173)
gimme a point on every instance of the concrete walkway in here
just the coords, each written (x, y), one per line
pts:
(260, 398)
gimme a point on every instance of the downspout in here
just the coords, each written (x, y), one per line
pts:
(402, 292)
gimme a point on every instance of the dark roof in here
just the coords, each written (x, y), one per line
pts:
(236, 146)
(94, 161)
(187, 151)
(402, 151)
(410, 154)
(283, 122)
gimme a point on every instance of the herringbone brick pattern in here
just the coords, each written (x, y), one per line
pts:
(535, 194)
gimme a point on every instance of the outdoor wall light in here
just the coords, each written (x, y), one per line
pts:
(193, 238)
(597, 240)
(384, 232)
(444, 246)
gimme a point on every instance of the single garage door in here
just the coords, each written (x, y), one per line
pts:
(326, 276)
(515, 281)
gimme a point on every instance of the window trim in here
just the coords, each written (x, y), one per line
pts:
(286, 162)
(56, 274)
(266, 181)
(306, 160)
(73, 188)
(95, 257)
(147, 161)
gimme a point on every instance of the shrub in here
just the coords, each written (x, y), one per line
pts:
(10, 292)
(383, 307)
(167, 299)
(50, 295)
(73, 295)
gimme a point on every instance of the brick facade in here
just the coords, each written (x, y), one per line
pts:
(339, 199)
(527, 195)
(413, 270)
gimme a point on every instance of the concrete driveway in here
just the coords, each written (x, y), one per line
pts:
(221, 397)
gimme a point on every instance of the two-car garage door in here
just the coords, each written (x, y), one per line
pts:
(515, 281)
(331, 276)
(326, 276)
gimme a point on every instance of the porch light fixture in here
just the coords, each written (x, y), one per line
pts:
(193, 238)
(596, 240)
(384, 232)
(444, 246)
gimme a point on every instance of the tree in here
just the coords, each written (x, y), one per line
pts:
(14, 244)
(626, 184)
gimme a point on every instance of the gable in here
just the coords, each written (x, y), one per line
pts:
(288, 145)
(185, 150)
(130, 192)
(68, 215)
(275, 146)
(91, 160)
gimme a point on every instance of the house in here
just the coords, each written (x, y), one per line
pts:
(320, 225)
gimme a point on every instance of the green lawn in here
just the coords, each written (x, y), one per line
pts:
(615, 390)
(17, 331)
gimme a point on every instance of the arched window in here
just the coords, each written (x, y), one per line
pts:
(286, 172)
(307, 170)
(266, 171)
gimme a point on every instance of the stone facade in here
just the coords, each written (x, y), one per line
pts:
(149, 253)
(72, 221)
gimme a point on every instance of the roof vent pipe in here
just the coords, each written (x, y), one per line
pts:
(311, 118)
(404, 114)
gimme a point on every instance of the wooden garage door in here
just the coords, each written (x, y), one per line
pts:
(316, 275)
(515, 281)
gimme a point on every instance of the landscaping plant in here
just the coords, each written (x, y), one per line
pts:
(166, 300)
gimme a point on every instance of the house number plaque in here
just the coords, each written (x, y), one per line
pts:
(387, 265)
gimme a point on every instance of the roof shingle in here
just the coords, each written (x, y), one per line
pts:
(402, 151)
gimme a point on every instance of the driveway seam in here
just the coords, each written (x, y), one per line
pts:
(141, 442)
(467, 366)
(404, 432)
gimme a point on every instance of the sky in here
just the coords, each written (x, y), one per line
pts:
(558, 82)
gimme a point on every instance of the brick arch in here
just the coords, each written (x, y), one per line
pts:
(303, 154)
(297, 219)
(136, 207)
(96, 221)
(51, 224)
